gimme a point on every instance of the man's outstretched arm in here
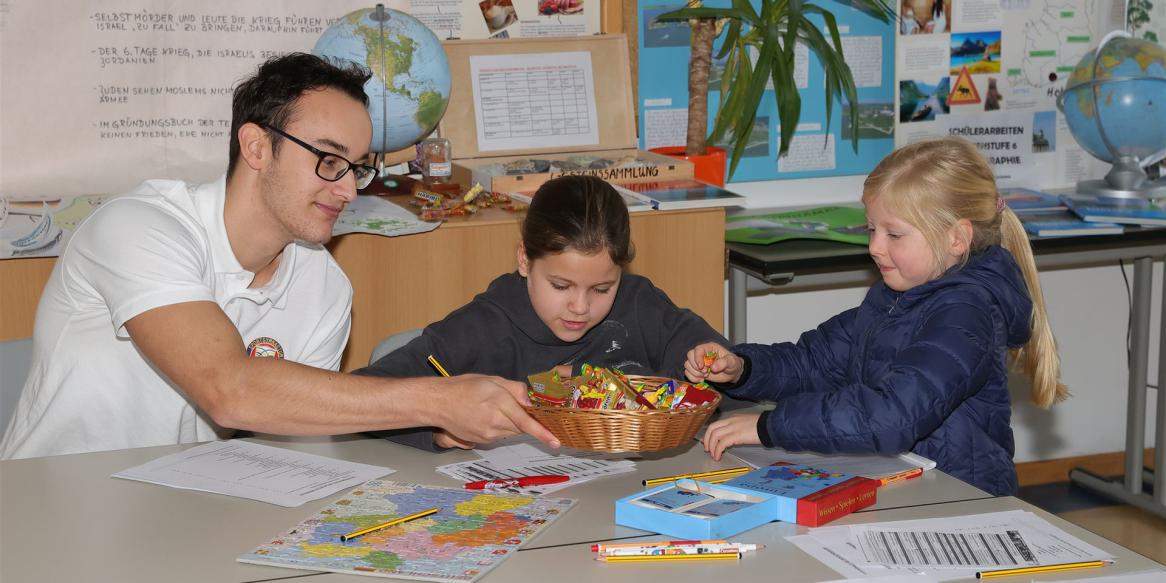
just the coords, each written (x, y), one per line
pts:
(282, 397)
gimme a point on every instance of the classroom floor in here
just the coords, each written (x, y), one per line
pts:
(1126, 525)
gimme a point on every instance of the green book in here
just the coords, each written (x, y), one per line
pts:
(833, 223)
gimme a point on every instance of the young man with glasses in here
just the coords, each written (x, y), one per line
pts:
(153, 325)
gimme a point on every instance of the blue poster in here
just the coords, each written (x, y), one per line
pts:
(818, 148)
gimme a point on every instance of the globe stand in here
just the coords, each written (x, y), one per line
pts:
(1126, 180)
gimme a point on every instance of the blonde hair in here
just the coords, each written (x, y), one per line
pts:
(934, 184)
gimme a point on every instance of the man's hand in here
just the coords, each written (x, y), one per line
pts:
(443, 439)
(712, 362)
(480, 409)
(735, 430)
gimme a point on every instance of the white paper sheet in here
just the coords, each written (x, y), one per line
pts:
(998, 540)
(837, 548)
(917, 578)
(531, 101)
(525, 456)
(375, 215)
(870, 466)
(580, 470)
(258, 472)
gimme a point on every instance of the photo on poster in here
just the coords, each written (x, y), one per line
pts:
(657, 33)
(498, 15)
(978, 51)
(1044, 131)
(875, 120)
(553, 7)
(925, 17)
(758, 145)
(919, 101)
(992, 97)
(964, 90)
(1147, 19)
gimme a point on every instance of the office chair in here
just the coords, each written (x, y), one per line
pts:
(392, 342)
(15, 361)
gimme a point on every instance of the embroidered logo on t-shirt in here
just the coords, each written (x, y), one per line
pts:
(264, 347)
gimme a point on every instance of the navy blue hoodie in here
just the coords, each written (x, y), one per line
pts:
(923, 370)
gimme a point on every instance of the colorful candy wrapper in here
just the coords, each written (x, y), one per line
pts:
(678, 395)
(473, 193)
(709, 358)
(427, 197)
(547, 387)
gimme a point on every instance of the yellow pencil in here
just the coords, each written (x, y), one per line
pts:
(437, 365)
(695, 557)
(1041, 569)
(696, 476)
(363, 531)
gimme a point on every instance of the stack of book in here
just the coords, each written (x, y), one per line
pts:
(1047, 215)
(666, 195)
(1138, 211)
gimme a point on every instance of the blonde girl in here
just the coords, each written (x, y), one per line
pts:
(922, 364)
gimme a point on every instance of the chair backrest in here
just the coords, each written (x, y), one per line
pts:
(15, 361)
(392, 342)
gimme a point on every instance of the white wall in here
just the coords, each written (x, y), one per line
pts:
(1087, 306)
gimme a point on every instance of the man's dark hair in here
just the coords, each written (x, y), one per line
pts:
(582, 213)
(269, 97)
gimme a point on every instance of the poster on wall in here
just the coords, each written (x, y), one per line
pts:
(507, 18)
(1147, 19)
(119, 91)
(964, 67)
(820, 147)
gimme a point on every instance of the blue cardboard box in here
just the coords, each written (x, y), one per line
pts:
(692, 510)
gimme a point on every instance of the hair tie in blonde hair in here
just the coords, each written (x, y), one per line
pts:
(1000, 204)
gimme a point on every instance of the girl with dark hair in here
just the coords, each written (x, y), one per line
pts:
(568, 303)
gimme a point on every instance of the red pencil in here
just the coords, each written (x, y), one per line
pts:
(523, 482)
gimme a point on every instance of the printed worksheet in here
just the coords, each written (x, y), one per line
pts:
(531, 101)
(251, 470)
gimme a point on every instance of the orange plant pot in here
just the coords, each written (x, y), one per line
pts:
(709, 168)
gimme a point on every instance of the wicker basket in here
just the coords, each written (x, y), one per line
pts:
(618, 431)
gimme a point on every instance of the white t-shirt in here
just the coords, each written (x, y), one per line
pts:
(89, 389)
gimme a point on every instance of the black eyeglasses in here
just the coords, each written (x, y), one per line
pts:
(332, 167)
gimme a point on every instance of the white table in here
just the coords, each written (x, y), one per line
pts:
(64, 519)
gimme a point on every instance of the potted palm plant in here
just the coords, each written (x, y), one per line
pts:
(758, 49)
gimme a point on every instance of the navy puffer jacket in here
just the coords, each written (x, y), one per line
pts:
(922, 370)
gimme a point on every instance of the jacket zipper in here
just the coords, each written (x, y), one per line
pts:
(870, 330)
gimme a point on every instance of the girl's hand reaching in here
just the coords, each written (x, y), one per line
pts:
(730, 431)
(712, 362)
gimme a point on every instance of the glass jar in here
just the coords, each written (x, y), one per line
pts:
(436, 160)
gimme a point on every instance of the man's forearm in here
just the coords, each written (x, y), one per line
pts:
(283, 397)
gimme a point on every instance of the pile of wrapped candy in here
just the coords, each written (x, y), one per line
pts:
(603, 388)
(436, 206)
